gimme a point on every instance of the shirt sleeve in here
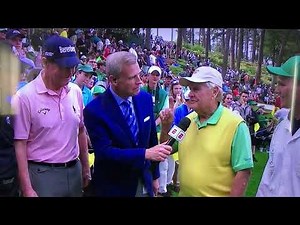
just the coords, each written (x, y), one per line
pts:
(241, 153)
(22, 123)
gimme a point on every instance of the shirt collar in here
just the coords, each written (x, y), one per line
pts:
(118, 98)
(213, 119)
(41, 87)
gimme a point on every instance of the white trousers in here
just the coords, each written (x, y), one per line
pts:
(166, 170)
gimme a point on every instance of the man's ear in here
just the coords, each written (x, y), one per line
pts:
(44, 61)
(112, 79)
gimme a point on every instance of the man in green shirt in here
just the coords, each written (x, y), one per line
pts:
(215, 155)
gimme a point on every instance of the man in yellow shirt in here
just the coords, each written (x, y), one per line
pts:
(215, 155)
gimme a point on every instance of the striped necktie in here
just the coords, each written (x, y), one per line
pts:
(130, 119)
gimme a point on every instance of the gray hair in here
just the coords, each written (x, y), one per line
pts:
(220, 93)
(115, 62)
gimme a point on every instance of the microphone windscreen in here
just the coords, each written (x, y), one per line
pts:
(184, 123)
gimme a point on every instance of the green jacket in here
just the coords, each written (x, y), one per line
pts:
(159, 96)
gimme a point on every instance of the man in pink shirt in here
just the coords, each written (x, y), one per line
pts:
(49, 130)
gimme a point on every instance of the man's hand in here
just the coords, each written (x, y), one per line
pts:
(166, 116)
(158, 152)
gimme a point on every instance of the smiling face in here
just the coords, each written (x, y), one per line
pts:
(284, 89)
(202, 97)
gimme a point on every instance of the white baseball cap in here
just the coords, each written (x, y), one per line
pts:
(203, 74)
(154, 68)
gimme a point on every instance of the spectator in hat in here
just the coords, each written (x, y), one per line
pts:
(3, 34)
(98, 89)
(14, 38)
(215, 155)
(49, 130)
(281, 174)
(160, 97)
(167, 82)
(83, 76)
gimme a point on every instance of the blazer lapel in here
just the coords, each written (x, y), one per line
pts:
(116, 114)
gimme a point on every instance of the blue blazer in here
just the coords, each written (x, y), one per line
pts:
(119, 161)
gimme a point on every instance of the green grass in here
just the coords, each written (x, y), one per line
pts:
(257, 172)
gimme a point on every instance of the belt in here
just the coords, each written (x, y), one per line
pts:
(65, 165)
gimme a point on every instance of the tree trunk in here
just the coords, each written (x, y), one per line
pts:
(253, 45)
(193, 35)
(280, 54)
(247, 44)
(226, 50)
(200, 30)
(260, 56)
(223, 41)
(184, 35)
(172, 34)
(179, 42)
(207, 49)
(232, 47)
(203, 37)
(240, 51)
(148, 38)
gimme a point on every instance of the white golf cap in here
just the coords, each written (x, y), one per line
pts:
(154, 68)
(203, 74)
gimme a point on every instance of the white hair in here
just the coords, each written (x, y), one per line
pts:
(220, 93)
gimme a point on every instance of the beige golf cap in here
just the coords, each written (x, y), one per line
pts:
(203, 74)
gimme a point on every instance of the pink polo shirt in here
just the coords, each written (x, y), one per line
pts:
(49, 122)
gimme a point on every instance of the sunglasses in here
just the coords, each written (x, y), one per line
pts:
(175, 82)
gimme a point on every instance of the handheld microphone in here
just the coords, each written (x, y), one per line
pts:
(177, 133)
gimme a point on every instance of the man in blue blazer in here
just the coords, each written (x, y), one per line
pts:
(125, 164)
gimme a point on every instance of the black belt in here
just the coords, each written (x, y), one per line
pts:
(66, 164)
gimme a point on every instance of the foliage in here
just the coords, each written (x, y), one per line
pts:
(274, 41)
(196, 49)
(250, 69)
(176, 70)
(182, 63)
(216, 58)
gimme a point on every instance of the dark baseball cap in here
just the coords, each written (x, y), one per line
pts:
(10, 34)
(62, 51)
(290, 68)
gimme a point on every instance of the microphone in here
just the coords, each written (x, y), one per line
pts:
(177, 133)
